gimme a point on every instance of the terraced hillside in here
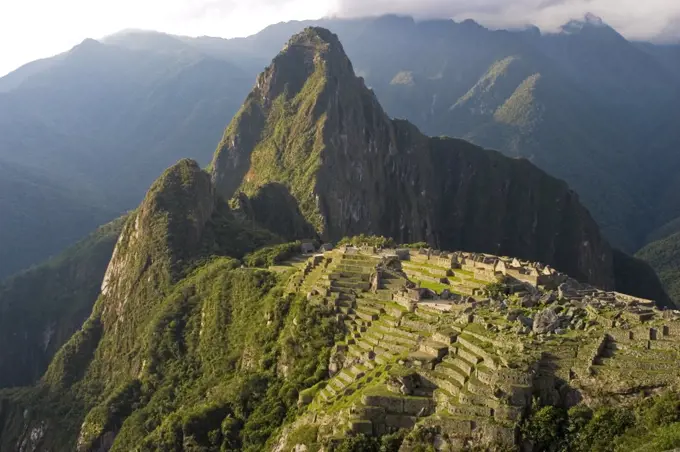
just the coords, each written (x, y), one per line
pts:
(460, 344)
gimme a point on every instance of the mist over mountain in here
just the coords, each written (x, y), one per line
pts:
(83, 134)
(212, 331)
(655, 22)
(100, 122)
(584, 104)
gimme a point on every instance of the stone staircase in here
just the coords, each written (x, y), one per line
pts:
(471, 382)
(439, 277)
(310, 277)
(457, 365)
(375, 335)
(380, 413)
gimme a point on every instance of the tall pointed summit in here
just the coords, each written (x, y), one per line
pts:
(312, 128)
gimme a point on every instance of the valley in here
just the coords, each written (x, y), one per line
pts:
(333, 278)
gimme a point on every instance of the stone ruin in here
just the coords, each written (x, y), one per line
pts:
(425, 344)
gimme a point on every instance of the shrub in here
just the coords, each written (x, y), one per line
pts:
(369, 240)
(664, 411)
(272, 255)
(545, 428)
(497, 290)
(415, 246)
(605, 426)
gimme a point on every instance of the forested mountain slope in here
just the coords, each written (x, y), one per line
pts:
(664, 257)
(211, 333)
(585, 105)
(42, 307)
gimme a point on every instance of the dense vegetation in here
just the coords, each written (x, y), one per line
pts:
(368, 240)
(75, 133)
(664, 257)
(650, 425)
(214, 353)
(272, 255)
(232, 396)
(635, 276)
(42, 307)
(202, 353)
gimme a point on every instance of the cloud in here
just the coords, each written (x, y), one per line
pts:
(26, 35)
(31, 29)
(635, 19)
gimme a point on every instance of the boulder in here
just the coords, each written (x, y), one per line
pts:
(545, 321)
(563, 290)
(513, 315)
(525, 321)
(527, 302)
(547, 298)
(403, 384)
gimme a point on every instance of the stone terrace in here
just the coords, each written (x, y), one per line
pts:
(421, 348)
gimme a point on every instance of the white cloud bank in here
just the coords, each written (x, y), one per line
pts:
(32, 29)
(635, 19)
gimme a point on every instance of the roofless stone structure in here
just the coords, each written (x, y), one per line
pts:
(464, 341)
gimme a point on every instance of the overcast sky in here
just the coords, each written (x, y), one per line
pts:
(32, 29)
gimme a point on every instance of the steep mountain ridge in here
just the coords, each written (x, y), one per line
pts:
(164, 266)
(603, 101)
(323, 134)
(179, 223)
(664, 257)
(189, 348)
(108, 116)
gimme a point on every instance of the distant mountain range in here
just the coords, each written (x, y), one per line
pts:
(311, 154)
(84, 133)
(211, 330)
(586, 105)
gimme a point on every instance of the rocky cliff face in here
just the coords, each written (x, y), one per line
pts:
(314, 127)
(186, 348)
(156, 242)
(177, 231)
(166, 228)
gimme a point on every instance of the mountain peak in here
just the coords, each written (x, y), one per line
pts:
(311, 48)
(88, 44)
(301, 81)
(314, 131)
(589, 23)
(303, 55)
(314, 37)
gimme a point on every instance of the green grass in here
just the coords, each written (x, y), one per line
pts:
(437, 287)
(427, 265)
(272, 255)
